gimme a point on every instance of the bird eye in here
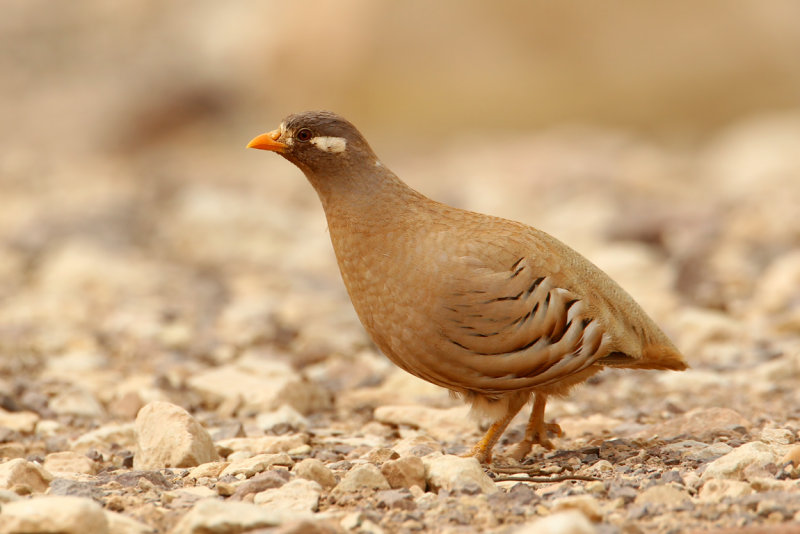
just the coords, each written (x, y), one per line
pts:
(304, 135)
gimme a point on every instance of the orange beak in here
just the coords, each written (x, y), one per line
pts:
(268, 141)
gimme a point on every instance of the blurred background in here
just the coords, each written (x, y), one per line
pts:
(660, 139)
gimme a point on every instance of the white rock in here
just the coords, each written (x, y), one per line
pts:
(215, 516)
(285, 415)
(362, 476)
(569, 522)
(714, 490)
(663, 494)
(268, 383)
(122, 524)
(419, 445)
(256, 464)
(22, 422)
(313, 469)
(586, 504)
(777, 436)
(76, 401)
(168, 436)
(69, 462)
(56, 515)
(296, 499)
(454, 473)
(732, 465)
(20, 472)
(207, 470)
(442, 424)
(264, 444)
(105, 437)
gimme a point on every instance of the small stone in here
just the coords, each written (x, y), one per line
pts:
(456, 474)
(261, 482)
(284, 417)
(586, 504)
(22, 422)
(417, 446)
(601, 466)
(663, 494)
(76, 401)
(69, 462)
(405, 472)
(296, 498)
(777, 436)
(107, 437)
(256, 464)
(207, 470)
(20, 473)
(313, 469)
(360, 477)
(56, 515)
(380, 455)
(76, 488)
(122, 524)
(568, 522)
(263, 444)
(442, 424)
(168, 436)
(12, 450)
(215, 516)
(733, 465)
(697, 423)
(715, 490)
(395, 499)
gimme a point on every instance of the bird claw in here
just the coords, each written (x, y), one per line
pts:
(523, 448)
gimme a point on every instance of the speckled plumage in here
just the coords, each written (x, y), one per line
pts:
(494, 310)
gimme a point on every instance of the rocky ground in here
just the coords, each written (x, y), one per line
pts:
(178, 354)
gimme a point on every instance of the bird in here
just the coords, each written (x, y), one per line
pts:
(499, 313)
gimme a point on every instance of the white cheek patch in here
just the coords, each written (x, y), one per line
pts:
(330, 144)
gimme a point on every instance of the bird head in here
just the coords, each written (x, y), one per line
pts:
(317, 141)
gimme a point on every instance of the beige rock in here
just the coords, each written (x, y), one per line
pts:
(215, 516)
(168, 436)
(22, 422)
(264, 444)
(714, 490)
(256, 464)
(405, 472)
(454, 473)
(442, 424)
(105, 437)
(296, 498)
(268, 384)
(55, 515)
(122, 524)
(587, 505)
(777, 436)
(207, 470)
(567, 522)
(12, 450)
(76, 401)
(284, 415)
(417, 446)
(360, 477)
(313, 469)
(695, 423)
(732, 466)
(663, 494)
(69, 462)
(379, 455)
(19, 472)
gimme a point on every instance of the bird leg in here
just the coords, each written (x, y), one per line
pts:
(537, 429)
(483, 449)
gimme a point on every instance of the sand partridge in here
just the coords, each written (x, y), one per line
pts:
(493, 310)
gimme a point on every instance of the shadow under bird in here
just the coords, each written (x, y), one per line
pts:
(498, 312)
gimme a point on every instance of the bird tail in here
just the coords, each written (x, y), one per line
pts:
(660, 357)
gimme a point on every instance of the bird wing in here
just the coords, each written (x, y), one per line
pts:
(514, 328)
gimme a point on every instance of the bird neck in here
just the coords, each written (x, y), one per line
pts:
(364, 198)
